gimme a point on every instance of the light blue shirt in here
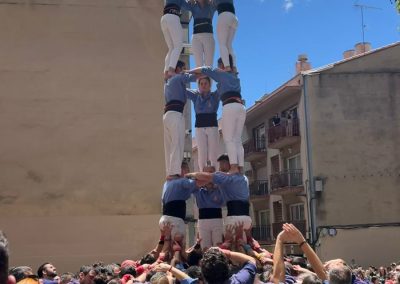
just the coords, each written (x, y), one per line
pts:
(178, 189)
(207, 12)
(208, 198)
(207, 103)
(232, 186)
(226, 81)
(175, 87)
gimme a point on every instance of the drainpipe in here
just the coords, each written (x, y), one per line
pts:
(311, 186)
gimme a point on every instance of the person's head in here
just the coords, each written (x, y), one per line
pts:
(194, 257)
(147, 259)
(297, 260)
(221, 63)
(397, 278)
(185, 168)
(87, 273)
(397, 268)
(67, 278)
(311, 279)
(209, 169)
(21, 272)
(47, 271)
(215, 266)
(340, 275)
(224, 165)
(4, 278)
(374, 280)
(127, 270)
(195, 273)
(159, 278)
(334, 263)
(204, 84)
(180, 67)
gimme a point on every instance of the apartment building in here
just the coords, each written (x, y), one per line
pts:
(322, 153)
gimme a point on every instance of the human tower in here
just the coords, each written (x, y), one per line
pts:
(212, 190)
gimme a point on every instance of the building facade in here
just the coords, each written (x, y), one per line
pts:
(322, 154)
(82, 162)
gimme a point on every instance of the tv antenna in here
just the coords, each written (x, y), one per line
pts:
(362, 7)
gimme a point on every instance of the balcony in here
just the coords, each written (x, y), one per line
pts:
(286, 182)
(284, 134)
(262, 234)
(255, 149)
(300, 224)
(259, 189)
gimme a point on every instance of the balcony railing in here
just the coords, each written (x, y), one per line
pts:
(262, 233)
(255, 146)
(255, 149)
(300, 224)
(287, 178)
(259, 188)
(287, 128)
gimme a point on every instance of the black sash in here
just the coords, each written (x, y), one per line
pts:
(226, 7)
(238, 208)
(174, 105)
(231, 97)
(176, 208)
(210, 213)
(202, 25)
(172, 9)
(206, 120)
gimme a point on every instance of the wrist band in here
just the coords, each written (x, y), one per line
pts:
(170, 268)
(302, 243)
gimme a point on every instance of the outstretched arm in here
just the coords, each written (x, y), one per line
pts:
(296, 236)
(201, 177)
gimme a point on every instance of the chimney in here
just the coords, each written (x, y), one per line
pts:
(349, 53)
(362, 47)
(302, 63)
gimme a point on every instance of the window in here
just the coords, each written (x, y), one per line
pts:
(297, 212)
(259, 137)
(263, 216)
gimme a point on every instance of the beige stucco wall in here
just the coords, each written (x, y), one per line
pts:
(369, 246)
(81, 153)
(355, 133)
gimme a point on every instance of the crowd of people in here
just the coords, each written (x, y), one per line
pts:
(250, 264)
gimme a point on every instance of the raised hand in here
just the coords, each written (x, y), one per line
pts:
(293, 234)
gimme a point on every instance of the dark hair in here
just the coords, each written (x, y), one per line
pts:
(195, 272)
(3, 258)
(67, 277)
(127, 270)
(147, 259)
(297, 260)
(204, 78)
(85, 269)
(230, 61)
(215, 266)
(40, 269)
(194, 257)
(19, 272)
(340, 275)
(180, 64)
(223, 157)
(311, 279)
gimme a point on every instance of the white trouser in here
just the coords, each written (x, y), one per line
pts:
(207, 139)
(203, 47)
(232, 122)
(174, 140)
(236, 220)
(226, 29)
(173, 35)
(210, 232)
(177, 224)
